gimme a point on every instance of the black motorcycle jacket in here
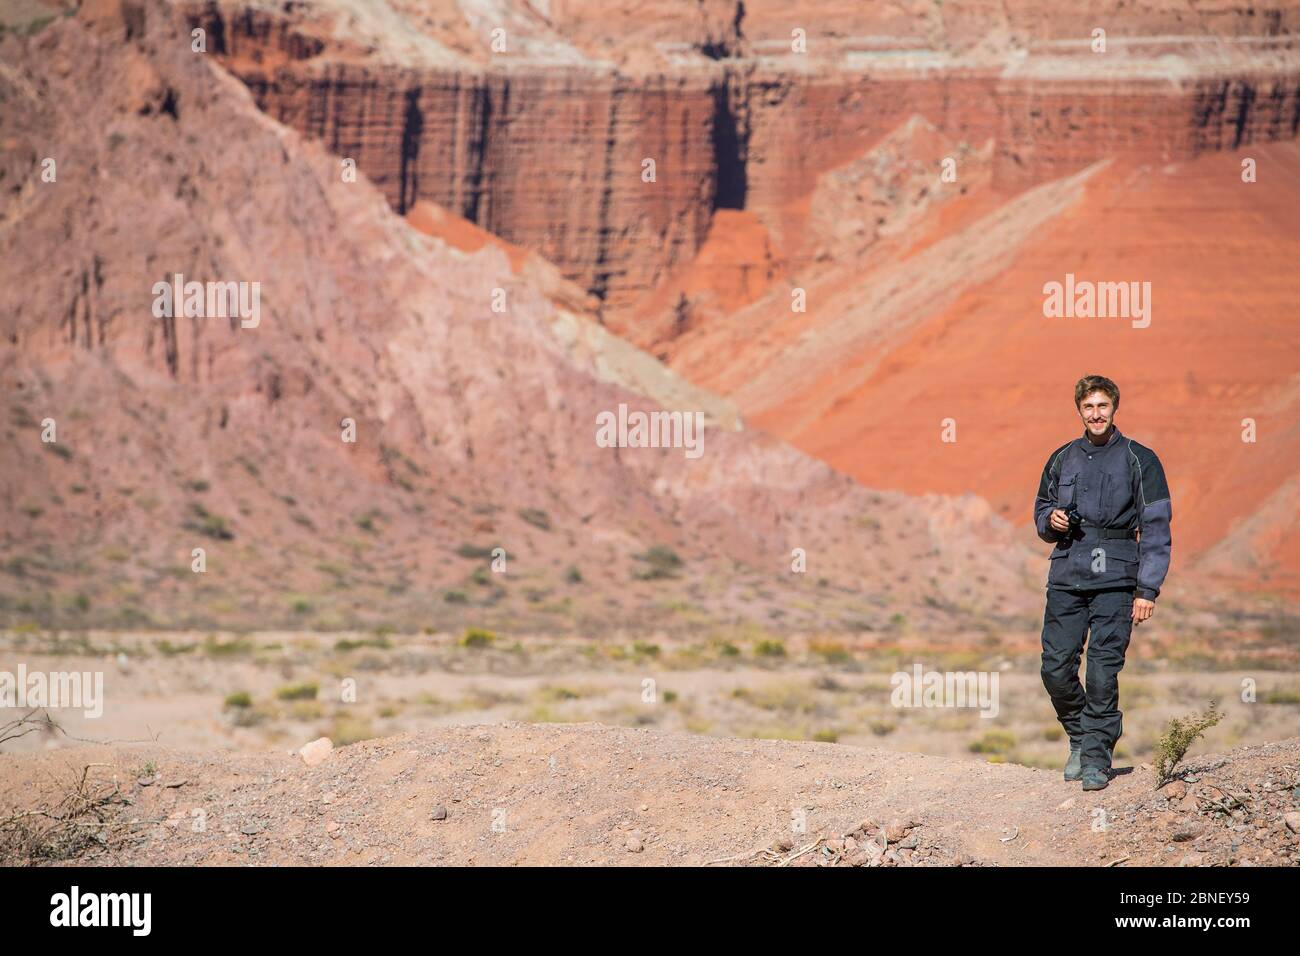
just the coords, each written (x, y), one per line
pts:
(1119, 492)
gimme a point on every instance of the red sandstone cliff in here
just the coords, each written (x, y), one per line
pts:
(543, 142)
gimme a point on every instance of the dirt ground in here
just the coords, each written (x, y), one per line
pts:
(650, 752)
(584, 794)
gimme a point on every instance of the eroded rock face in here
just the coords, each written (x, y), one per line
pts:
(544, 142)
(474, 428)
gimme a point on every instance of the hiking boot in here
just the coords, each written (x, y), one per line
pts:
(1094, 778)
(1073, 767)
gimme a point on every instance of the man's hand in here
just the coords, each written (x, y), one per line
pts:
(1060, 521)
(1142, 609)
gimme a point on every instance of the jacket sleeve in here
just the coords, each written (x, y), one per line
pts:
(1156, 541)
(1045, 502)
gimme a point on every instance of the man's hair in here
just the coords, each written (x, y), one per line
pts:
(1096, 383)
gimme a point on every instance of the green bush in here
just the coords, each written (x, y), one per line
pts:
(537, 518)
(477, 637)
(661, 562)
(1180, 733)
(994, 742)
(304, 691)
(206, 523)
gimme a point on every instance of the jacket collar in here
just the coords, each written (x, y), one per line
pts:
(1115, 437)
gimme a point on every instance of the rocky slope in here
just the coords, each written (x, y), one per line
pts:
(474, 428)
(779, 170)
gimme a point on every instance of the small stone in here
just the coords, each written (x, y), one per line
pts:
(1292, 821)
(857, 858)
(332, 828)
(850, 844)
(634, 845)
(1192, 859)
(250, 829)
(1189, 804)
(897, 829)
(873, 850)
(316, 751)
(146, 781)
(1066, 805)
(439, 813)
(1176, 790)
(783, 844)
(835, 845)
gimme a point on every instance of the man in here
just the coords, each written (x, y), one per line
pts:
(1096, 495)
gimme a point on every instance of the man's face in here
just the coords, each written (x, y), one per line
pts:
(1097, 412)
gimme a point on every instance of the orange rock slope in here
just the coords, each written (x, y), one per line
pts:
(1222, 347)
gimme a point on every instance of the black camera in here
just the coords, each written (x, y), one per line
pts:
(1076, 522)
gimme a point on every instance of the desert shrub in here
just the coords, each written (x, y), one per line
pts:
(477, 637)
(537, 518)
(304, 691)
(832, 651)
(349, 730)
(996, 742)
(347, 644)
(1180, 733)
(206, 523)
(661, 562)
(234, 647)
